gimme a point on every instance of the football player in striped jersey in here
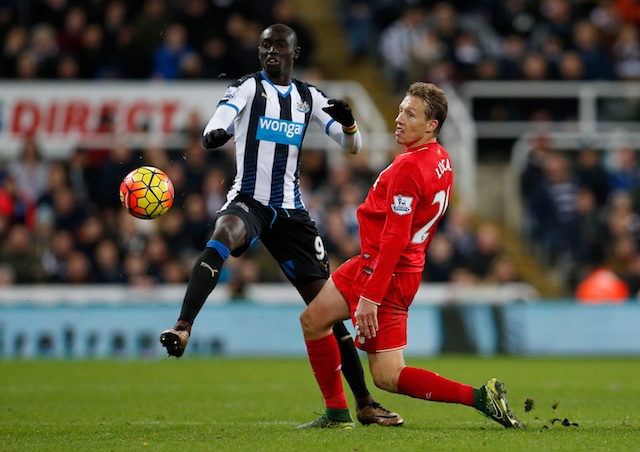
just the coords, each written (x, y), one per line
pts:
(267, 114)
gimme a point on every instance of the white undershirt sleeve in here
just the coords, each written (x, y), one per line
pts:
(221, 119)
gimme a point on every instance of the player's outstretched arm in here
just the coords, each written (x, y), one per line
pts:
(350, 139)
(339, 110)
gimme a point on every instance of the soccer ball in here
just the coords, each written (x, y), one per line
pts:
(146, 192)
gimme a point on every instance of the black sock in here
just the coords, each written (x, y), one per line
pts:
(351, 365)
(204, 277)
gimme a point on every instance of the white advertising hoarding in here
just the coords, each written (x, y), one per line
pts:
(66, 115)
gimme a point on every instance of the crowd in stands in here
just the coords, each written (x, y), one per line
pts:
(581, 210)
(460, 40)
(150, 39)
(61, 222)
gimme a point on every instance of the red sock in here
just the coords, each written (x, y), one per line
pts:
(324, 356)
(423, 384)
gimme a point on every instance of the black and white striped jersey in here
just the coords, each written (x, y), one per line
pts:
(269, 123)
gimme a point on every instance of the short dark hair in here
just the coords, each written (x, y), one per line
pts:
(285, 29)
(434, 100)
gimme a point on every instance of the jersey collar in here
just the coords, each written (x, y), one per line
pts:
(264, 77)
(422, 147)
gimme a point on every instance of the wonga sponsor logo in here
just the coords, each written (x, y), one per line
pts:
(280, 131)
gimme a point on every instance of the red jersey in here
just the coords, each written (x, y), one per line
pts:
(401, 213)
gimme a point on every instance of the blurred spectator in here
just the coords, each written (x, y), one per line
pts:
(285, 12)
(514, 49)
(114, 19)
(244, 271)
(242, 44)
(13, 46)
(90, 233)
(15, 208)
(30, 171)
(535, 67)
(552, 209)
(440, 260)
(45, 50)
(197, 160)
(533, 173)
(570, 67)
(349, 199)
(173, 272)
(18, 251)
(70, 37)
(622, 219)
(110, 173)
(337, 240)
(591, 174)
(157, 255)
(358, 23)
(150, 26)
(27, 66)
(626, 53)
(129, 237)
(172, 229)
(215, 188)
(591, 225)
(601, 285)
(7, 275)
(606, 16)
(136, 270)
(397, 44)
(198, 224)
(91, 57)
(624, 173)
(513, 17)
(597, 64)
(54, 258)
(215, 58)
(196, 18)
(68, 68)
(56, 179)
(556, 19)
(488, 246)
(79, 269)
(169, 57)
(68, 214)
(126, 60)
(458, 227)
(503, 270)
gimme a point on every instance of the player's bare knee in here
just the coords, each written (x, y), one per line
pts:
(385, 377)
(383, 381)
(306, 321)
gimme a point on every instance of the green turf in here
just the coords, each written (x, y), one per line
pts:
(255, 404)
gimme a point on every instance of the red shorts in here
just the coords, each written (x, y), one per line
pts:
(351, 277)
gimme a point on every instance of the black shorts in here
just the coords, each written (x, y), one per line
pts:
(290, 235)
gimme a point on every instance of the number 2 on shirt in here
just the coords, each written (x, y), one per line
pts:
(442, 199)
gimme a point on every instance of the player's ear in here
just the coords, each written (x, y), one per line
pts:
(296, 52)
(432, 125)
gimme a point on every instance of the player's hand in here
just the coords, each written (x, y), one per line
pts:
(340, 111)
(215, 138)
(366, 316)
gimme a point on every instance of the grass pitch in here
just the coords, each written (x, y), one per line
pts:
(255, 404)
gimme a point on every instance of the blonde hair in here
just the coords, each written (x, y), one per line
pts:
(434, 100)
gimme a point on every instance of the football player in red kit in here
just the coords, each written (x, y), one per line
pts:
(397, 222)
